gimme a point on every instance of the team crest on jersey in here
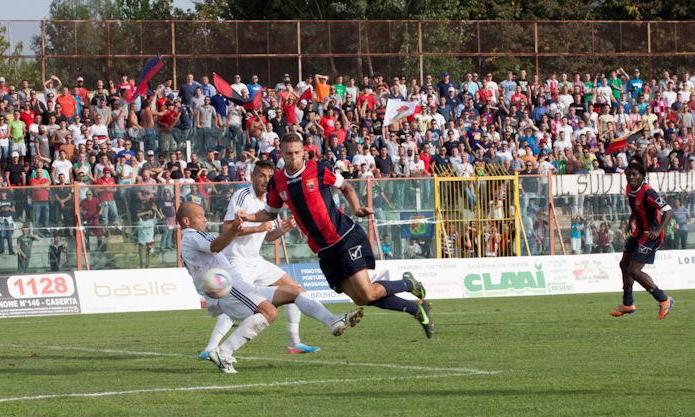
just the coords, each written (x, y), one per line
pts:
(283, 195)
(311, 185)
(355, 252)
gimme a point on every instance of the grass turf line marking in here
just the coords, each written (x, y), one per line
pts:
(224, 387)
(470, 371)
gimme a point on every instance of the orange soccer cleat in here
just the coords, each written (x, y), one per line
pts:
(621, 310)
(665, 307)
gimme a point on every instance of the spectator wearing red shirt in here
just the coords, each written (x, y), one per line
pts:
(519, 97)
(27, 115)
(328, 123)
(89, 209)
(367, 99)
(68, 104)
(107, 205)
(40, 196)
(126, 88)
(82, 92)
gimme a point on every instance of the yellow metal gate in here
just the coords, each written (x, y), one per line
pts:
(477, 216)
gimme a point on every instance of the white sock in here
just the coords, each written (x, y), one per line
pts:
(315, 310)
(293, 316)
(222, 326)
(248, 329)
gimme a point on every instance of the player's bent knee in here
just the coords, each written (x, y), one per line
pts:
(268, 310)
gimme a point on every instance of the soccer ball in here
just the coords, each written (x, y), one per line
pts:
(216, 283)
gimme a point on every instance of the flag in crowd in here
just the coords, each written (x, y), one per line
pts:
(398, 109)
(152, 67)
(225, 89)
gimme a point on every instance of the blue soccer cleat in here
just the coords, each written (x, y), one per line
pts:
(204, 356)
(300, 348)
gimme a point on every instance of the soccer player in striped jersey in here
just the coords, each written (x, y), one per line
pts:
(244, 252)
(649, 215)
(344, 251)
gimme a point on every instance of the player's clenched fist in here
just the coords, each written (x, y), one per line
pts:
(287, 224)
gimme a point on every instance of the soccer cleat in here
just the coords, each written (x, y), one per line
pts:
(665, 307)
(621, 310)
(418, 289)
(423, 317)
(223, 364)
(205, 356)
(346, 321)
(300, 348)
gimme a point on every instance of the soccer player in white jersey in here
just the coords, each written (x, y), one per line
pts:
(200, 252)
(244, 250)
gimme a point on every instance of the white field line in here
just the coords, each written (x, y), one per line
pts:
(224, 387)
(470, 371)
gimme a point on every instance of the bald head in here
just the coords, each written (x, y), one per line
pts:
(189, 214)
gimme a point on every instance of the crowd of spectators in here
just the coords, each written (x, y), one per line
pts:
(102, 135)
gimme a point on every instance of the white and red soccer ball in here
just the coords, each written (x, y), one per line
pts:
(216, 283)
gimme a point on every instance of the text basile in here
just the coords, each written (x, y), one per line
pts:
(145, 289)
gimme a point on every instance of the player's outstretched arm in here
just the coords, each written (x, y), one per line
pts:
(351, 196)
(259, 216)
(226, 237)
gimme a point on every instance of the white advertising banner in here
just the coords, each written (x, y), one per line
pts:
(595, 184)
(126, 290)
(540, 275)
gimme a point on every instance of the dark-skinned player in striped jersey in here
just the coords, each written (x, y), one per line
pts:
(649, 215)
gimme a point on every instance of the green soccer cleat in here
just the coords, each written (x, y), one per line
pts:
(418, 289)
(424, 317)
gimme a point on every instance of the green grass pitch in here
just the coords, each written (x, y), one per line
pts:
(530, 356)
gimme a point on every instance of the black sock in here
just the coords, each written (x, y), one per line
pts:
(394, 287)
(391, 302)
(627, 297)
(659, 295)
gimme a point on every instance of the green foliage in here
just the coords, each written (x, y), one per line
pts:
(12, 66)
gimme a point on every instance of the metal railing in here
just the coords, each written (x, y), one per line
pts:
(130, 233)
(104, 49)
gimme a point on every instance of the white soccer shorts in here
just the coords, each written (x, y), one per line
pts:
(239, 304)
(257, 272)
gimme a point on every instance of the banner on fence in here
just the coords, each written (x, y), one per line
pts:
(38, 294)
(126, 290)
(599, 184)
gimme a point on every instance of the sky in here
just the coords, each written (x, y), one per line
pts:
(36, 10)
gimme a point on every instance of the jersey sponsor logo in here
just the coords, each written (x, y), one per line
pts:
(355, 252)
(644, 250)
(660, 201)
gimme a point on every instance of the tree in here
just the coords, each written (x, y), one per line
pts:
(12, 66)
